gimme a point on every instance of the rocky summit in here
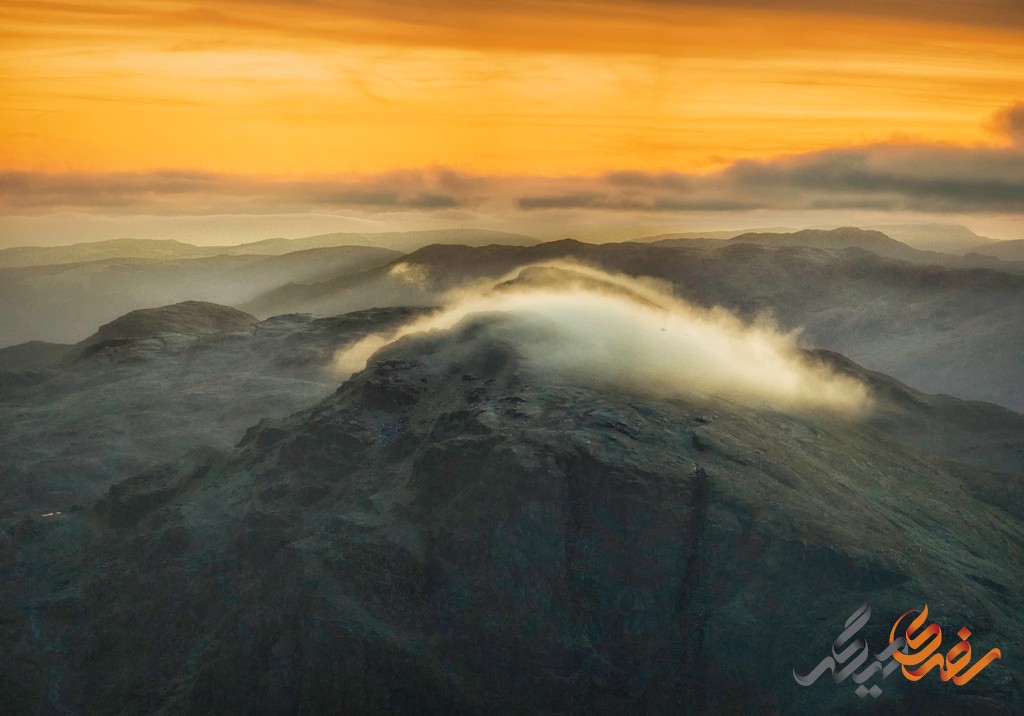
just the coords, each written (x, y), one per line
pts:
(453, 532)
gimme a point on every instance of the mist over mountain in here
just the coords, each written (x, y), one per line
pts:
(58, 294)
(949, 330)
(554, 478)
(468, 525)
(497, 431)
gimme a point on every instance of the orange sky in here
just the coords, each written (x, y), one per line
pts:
(324, 88)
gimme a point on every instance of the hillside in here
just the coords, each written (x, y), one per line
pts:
(456, 529)
(188, 317)
(152, 386)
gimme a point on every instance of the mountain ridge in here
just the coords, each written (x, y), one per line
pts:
(451, 532)
(22, 256)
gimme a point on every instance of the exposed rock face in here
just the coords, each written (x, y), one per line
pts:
(449, 533)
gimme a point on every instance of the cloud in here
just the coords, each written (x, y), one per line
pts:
(1010, 121)
(198, 193)
(885, 177)
(926, 178)
(582, 326)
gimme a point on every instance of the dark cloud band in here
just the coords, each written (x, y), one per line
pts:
(888, 177)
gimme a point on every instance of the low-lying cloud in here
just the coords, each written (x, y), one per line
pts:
(578, 325)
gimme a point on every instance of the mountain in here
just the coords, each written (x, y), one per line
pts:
(716, 235)
(842, 238)
(32, 355)
(837, 239)
(944, 330)
(394, 240)
(946, 238)
(463, 527)
(151, 386)
(1006, 250)
(943, 238)
(64, 302)
(928, 245)
(188, 317)
(22, 256)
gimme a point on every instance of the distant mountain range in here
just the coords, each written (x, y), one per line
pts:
(847, 237)
(886, 304)
(945, 238)
(65, 302)
(1005, 250)
(950, 238)
(841, 238)
(169, 249)
(717, 235)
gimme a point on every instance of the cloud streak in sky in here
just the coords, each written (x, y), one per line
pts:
(878, 177)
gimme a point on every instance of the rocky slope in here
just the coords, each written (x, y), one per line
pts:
(452, 531)
(153, 385)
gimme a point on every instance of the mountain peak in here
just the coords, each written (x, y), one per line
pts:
(184, 317)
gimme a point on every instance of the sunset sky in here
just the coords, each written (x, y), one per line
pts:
(242, 120)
